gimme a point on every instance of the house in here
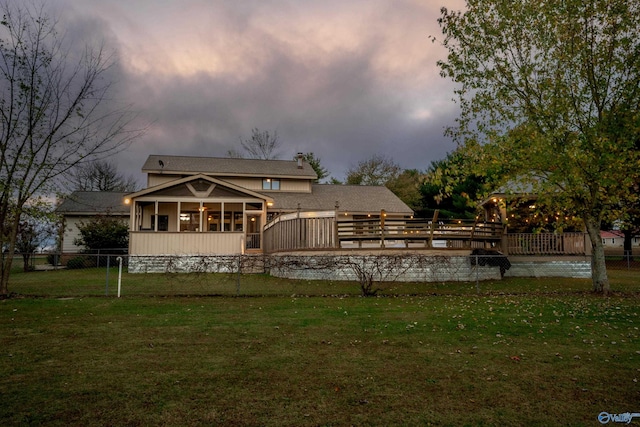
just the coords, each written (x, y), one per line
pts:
(199, 213)
(614, 239)
(82, 206)
(220, 206)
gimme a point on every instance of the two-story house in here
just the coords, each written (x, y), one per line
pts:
(219, 206)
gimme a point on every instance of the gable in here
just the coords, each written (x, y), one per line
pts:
(198, 186)
(200, 189)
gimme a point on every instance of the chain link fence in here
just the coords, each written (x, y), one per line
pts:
(109, 273)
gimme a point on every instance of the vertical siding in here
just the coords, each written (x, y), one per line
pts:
(150, 243)
(300, 233)
(71, 232)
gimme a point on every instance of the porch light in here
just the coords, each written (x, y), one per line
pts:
(127, 201)
(269, 204)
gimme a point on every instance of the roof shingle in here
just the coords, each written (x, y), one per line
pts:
(350, 198)
(94, 202)
(219, 166)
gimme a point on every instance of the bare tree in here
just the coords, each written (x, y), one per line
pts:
(54, 113)
(262, 145)
(376, 170)
(101, 175)
(37, 227)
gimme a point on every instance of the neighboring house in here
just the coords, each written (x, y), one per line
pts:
(615, 239)
(82, 206)
(219, 206)
(612, 239)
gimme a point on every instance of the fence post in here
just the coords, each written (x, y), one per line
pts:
(238, 275)
(119, 259)
(106, 290)
(477, 275)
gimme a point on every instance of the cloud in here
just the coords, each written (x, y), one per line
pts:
(344, 80)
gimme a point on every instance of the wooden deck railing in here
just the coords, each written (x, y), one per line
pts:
(301, 231)
(421, 232)
(320, 230)
(546, 244)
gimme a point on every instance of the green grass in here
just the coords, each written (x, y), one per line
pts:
(522, 352)
(93, 282)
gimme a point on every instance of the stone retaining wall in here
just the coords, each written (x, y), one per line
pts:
(406, 267)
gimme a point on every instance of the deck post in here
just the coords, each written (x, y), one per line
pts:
(382, 215)
(504, 241)
(335, 226)
(433, 225)
(473, 230)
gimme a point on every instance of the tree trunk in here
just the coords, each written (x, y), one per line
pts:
(598, 265)
(628, 245)
(7, 259)
(26, 257)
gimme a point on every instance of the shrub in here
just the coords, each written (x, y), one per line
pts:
(80, 262)
(53, 259)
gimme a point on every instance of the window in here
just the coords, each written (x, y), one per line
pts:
(270, 184)
(189, 216)
(189, 221)
(163, 222)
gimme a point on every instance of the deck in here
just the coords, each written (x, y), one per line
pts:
(317, 231)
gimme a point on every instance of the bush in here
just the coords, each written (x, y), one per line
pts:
(53, 259)
(103, 232)
(80, 262)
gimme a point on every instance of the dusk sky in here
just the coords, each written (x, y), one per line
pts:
(342, 79)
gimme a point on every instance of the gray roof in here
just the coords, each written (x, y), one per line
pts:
(94, 202)
(350, 198)
(219, 166)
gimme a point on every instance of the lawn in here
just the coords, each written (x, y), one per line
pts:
(526, 352)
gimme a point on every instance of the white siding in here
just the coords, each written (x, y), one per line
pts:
(250, 183)
(158, 243)
(71, 232)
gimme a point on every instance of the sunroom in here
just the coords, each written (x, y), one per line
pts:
(196, 215)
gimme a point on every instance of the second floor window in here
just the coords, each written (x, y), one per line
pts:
(270, 184)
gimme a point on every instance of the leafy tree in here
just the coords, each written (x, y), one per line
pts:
(53, 114)
(262, 145)
(407, 187)
(103, 232)
(552, 88)
(451, 186)
(101, 175)
(376, 170)
(320, 170)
